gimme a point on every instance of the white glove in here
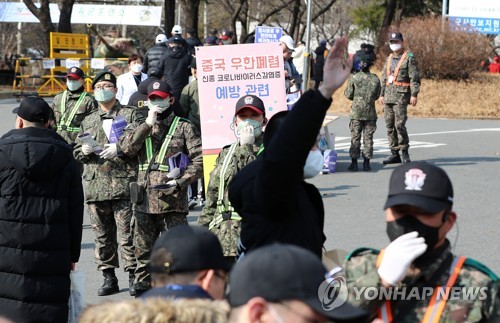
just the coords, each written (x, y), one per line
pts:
(399, 255)
(246, 135)
(87, 149)
(172, 183)
(152, 115)
(109, 151)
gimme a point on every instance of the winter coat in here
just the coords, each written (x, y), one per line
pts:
(153, 56)
(41, 215)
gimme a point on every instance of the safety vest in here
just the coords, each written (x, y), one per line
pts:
(436, 306)
(163, 150)
(66, 119)
(221, 208)
(396, 71)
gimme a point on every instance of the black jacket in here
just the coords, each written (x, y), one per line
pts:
(153, 56)
(320, 61)
(41, 215)
(270, 194)
(175, 65)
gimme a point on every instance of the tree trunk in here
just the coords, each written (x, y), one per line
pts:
(294, 26)
(66, 8)
(191, 9)
(43, 15)
(169, 16)
(386, 24)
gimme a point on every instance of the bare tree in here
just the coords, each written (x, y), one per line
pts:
(43, 15)
(191, 9)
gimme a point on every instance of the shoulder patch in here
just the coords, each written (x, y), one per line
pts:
(360, 251)
(482, 268)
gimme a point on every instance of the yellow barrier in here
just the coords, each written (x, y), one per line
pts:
(53, 79)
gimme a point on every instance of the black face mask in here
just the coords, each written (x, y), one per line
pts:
(407, 224)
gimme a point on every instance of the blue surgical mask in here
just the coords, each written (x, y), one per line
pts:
(104, 96)
(257, 126)
(163, 104)
(73, 85)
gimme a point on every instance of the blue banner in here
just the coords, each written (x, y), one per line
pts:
(267, 34)
(481, 25)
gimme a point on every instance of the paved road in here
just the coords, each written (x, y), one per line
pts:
(469, 150)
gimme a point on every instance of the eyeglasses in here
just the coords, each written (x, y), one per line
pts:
(105, 87)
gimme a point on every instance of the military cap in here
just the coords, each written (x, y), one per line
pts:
(75, 73)
(104, 76)
(159, 88)
(396, 36)
(420, 184)
(250, 101)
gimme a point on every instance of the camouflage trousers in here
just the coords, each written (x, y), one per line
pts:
(367, 127)
(147, 228)
(108, 217)
(395, 121)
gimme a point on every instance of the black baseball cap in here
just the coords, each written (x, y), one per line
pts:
(33, 109)
(175, 39)
(192, 248)
(75, 73)
(396, 36)
(159, 88)
(420, 184)
(280, 272)
(210, 40)
(104, 76)
(250, 101)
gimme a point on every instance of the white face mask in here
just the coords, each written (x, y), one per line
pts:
(314, 164)
(163, 104)
(395, 47)
(257, 127)
(73, 85)
(136, 68)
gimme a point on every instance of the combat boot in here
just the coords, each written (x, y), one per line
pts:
(131, 286)
(354, 165)
(406, 156)
(110, 285)
(366, 165)
(393, 159)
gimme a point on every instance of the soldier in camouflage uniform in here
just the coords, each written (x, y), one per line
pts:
(419, 214)
(157, 142)
(400, 86)
(107, 177)
(218, 214)
(72, 105)
(363, 89)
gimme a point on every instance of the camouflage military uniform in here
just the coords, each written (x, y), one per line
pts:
(107, 192)
(362, 89)
(397, 96)
(160, 209)
(218, 217)
(360, 270)
(68, 121)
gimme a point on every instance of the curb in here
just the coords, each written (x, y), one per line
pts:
(7, 95)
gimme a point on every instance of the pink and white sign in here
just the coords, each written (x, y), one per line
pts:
(225, 73)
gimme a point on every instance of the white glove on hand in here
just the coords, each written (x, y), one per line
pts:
(399, 255)
(172, 182)
(152, 115)
(109, 151)
(87, 149)
(247, 136)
